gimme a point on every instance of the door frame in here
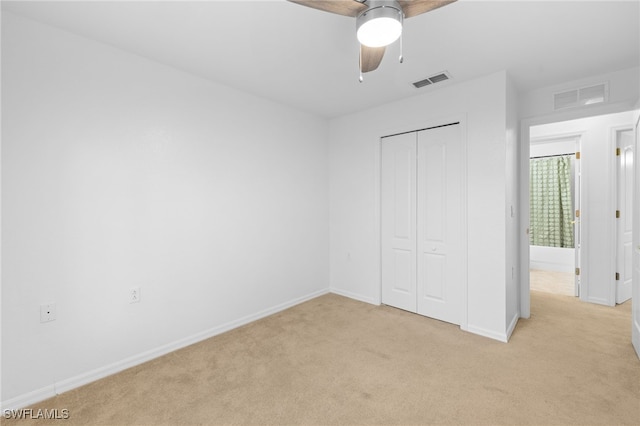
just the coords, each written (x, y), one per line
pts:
(577, 224)
(523, 183)
(377, 152)
(635, 284)
(576, 139)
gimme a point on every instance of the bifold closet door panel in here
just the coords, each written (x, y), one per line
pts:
(440, 253)
(398, 221)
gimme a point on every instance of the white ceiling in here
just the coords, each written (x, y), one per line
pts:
(309, 59)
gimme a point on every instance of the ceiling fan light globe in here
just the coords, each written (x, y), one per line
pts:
(381, 24)
(379, 32)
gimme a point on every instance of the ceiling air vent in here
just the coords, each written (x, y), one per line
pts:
(437, 78)
(582, 96)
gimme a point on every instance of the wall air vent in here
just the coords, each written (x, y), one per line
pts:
(589, 95)
(437, 78)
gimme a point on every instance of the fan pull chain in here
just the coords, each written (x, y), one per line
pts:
(401, 57)
(360, 78)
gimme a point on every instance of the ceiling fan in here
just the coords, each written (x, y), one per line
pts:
(378, 22)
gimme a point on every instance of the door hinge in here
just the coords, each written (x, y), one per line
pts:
(577, 271)
(617, 151)
(577, 155)
(617, 214)
(617, 276)
(577, 213)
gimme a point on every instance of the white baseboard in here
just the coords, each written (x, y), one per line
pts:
(28, 398)
(354, 296)
(552, 258)
(502, 337)
(623, 292)
(598, 301)
(551, 266)
(512, 325)
(635, 338)
(65, 385)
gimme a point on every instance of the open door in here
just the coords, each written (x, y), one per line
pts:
(624, 214)
(635, 285)
(576, 219)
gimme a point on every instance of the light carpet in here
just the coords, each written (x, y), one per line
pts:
(552, 282)
(334, 361)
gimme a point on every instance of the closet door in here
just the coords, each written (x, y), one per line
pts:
(398, 221)
(440, 255)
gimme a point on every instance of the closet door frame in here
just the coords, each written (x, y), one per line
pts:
(414, 127)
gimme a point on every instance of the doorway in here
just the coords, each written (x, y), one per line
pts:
(595, 219)
(554, 206)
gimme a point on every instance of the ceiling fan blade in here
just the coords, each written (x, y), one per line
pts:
(341, 7)
(418, 7)
(370, 57)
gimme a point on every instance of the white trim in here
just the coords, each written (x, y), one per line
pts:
(559, 138)
(90, 376)
(464, 315)
(512, 325)
(635, 334)
(585, 247)
(577, 229)
(635, 284)
(28, 398)
(354, 296)
(524, 219)
(612, 202)
(551, 266)
(599, 301)
(377, 214)
(501, 337)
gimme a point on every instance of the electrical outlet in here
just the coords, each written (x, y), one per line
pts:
(134, 295)
(47, 312)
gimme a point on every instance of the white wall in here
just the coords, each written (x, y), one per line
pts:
(536, 107)
(597, 161)
(624, 87)
(120, 172)
(512, 209)
(635, 285)
(354, 193)
(558, 259)
(557, 145)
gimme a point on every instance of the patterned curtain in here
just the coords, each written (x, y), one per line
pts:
(550, 200)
